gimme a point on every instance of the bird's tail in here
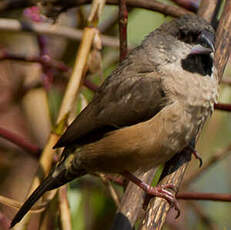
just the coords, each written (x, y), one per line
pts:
(56, 179)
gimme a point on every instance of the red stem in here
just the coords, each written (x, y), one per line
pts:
(204, 196)
(123, 19)
(192, 5)
(90, 85)
(44, 60)
(223, 107)
(19, 141)
(4, 221)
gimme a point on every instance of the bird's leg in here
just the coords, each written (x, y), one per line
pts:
(191, 147)
(158, 191)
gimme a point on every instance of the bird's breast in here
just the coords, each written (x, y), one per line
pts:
(145, 144)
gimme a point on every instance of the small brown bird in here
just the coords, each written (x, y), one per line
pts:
(151, 107)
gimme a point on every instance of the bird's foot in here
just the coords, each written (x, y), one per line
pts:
(158, 191)
(162, 192)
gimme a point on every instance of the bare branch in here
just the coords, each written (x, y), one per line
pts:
(65, 215)
(154, 5)
(223, 40)
(19, 141)
(204, 196)
(207, 9)
(191, 5)
(110, 188)
(123, 20)
(223, 107)
(14, 25)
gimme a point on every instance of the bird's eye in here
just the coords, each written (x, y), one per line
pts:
(188, 37)
(204, 38)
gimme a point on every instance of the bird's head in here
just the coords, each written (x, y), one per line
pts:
(197, 32)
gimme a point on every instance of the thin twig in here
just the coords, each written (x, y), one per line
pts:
(112, 191)
(14, 25)
(123, 20)
(204, 196)
(43, 60)
(19, 141)
(192, 5)
(154, 5)
(223, 107)
(64, 209)
(16, 205)
(63, 4)
(117, 180)
(207, 9)
(226, 80)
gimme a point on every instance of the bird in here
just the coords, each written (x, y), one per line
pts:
(149, 108)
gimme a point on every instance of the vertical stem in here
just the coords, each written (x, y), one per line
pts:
(223, 40)
(64, 209)
(123, 19)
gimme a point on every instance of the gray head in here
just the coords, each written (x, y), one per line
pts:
(188, 28)
(189, 39)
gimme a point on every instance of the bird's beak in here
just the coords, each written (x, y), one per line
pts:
(206, 46)
(199, 49)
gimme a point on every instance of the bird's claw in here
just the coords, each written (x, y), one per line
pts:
(196, 155)
(158, 191)
(162, 192)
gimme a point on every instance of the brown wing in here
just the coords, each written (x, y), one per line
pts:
(120, 102)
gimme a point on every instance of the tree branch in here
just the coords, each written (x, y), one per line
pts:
(154, 5)
(192, 5)
(158, 208)
(223, 107)
(123, 20)
(204, 196)
(13, 25)
(19, 141)
(223, 40)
